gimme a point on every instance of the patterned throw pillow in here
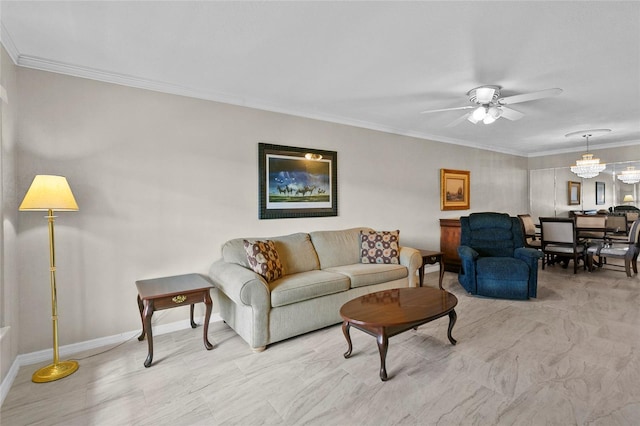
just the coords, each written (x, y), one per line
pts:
(263, 259)
(380, 247)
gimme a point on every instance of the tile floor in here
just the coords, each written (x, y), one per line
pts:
(569, 357)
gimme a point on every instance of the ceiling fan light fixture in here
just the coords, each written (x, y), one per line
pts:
(484, 95)
(480, 113)
(488, 119)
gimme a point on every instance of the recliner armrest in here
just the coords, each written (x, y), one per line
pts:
(467, 252)
(525, 253)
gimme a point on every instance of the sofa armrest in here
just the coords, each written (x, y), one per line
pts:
(240, 284)
(412, 259)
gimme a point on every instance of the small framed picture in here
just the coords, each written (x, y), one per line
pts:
(599, 193)
(454, 189)
(574, 193)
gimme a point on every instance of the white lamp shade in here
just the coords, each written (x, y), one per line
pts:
(627, 198)
(49, 192)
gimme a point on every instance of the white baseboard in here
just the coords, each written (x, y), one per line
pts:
(68, 350)
(8, 380)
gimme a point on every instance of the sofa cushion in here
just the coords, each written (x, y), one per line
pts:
(296, 252)
(380, 247)
(263, 259)
(362, 275)
(337, 248)
(306, 285)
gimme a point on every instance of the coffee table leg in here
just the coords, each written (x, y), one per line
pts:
(452, 321)
(148, 311)
(141, 307)
(345, 330)
(207, 316)
(383, 344)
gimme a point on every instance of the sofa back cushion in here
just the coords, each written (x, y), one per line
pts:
(295, 251)
(337, 248)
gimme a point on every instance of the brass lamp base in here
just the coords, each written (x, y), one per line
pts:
(55, 371)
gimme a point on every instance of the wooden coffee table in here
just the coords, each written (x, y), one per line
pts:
(390, 312)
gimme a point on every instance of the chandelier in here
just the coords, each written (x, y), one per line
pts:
(630, 176)
(588, 166)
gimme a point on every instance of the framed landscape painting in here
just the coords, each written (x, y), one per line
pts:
(454, 189)
(296, 182)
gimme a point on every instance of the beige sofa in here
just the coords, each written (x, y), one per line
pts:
(322, 271)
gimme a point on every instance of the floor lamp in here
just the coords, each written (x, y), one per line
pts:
(49, 193)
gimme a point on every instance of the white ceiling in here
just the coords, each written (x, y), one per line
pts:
(369, 64)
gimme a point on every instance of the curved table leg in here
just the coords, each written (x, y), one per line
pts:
(452, 321)
(345, 330)
(383, 345)
(141, 307)
(193, 324)
(148, 312)
(207, 316)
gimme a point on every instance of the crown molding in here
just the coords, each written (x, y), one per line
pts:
(582, 149)
(43, 64)
(9, 45)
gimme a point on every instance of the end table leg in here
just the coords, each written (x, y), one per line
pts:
(207, 316)
(421, 273)
(193, 324)
(383, 344)
(441, 271)
(141, 307)
(148, 312)
(452, 321)
(345, 331)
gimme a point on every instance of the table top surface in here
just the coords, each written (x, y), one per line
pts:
(424, 253)
(398, 306)
(169, 286)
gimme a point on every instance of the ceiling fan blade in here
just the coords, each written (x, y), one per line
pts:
(446, 109)
(458, 120)
(511, 114)
(525, 97)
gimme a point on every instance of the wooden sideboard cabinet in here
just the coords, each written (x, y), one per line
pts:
(449, 242)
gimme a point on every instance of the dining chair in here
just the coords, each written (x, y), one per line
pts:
(560, 240)
(627, 250)
(591, 226)
(531, 234)
(617, 228)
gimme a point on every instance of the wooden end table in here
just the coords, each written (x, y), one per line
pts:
(169, 292)
(429, 258)
(386, 313)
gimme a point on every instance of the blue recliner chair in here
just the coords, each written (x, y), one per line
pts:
(495, 262)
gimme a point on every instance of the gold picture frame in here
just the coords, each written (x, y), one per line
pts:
(573, 193)
(455, 189)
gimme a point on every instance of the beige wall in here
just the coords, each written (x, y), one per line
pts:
(162, 181)
(9, 324)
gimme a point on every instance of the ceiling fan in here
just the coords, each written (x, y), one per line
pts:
(488, 106)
